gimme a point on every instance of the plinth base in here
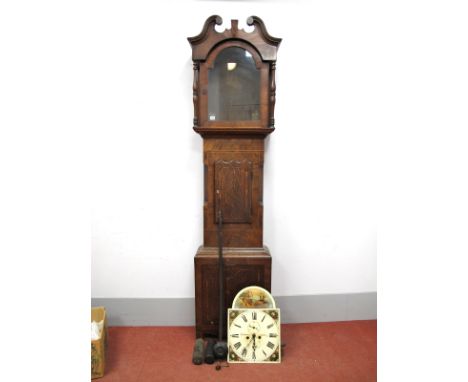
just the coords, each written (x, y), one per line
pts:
(242, 267)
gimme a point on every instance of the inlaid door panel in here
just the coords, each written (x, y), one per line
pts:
(233, 190)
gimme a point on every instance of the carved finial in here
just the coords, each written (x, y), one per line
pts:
(234, 27)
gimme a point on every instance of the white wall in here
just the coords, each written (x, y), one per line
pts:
(320, 186)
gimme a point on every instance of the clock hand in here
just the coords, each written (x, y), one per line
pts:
(254, 347)
(246, 346)
(248, 343)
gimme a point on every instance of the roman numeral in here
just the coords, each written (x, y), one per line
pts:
(270, 345)
(273, 335)
(254, 315)
(237, 325)
(236, 335)
(237, 345)
(265, 354)
(244, 352)
(269, 326)
(244, 318)
(263, 317)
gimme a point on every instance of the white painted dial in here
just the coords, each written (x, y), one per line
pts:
(254, 335)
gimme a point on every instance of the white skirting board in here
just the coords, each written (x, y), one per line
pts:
(294, 309)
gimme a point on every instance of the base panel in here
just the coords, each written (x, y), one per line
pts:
(242, 267)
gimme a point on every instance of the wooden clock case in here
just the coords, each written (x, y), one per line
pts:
(233, 155)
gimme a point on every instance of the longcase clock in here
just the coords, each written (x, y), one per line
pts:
(234, 99)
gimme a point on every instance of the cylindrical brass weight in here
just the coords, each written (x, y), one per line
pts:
(198, 352)
(209, 355)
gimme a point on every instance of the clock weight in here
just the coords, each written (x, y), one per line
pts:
(220, 350)
(209, 353)
(197, 356)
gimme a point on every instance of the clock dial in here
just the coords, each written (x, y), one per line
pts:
(254, 335)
